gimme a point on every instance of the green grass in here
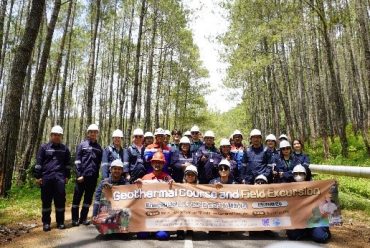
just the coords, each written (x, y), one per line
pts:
(24, 203)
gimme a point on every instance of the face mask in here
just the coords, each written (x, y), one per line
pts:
(299, 178)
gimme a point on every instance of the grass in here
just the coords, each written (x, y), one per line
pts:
(24, 203)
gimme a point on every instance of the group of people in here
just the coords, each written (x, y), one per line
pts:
(168, 157)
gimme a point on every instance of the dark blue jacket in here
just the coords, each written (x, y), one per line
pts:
(234, 170)
(218, 180)
(303, 158)
(88, 159)
(133, 162)
(208, 169)
(286, 166)
(256, 161)
(195, 146)
(53, 161)
(178, 159)
(110, 154)
(99, 191)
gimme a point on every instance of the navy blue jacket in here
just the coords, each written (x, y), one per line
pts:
(53, 161)
(99, 191)
(286, 166)
(256, 161)
(133, 162)
(195, 146)
(234, 170)
(88, 159)
(178, 159)
(110, 154)
(208, 169)
(218, 180)
(303, 158)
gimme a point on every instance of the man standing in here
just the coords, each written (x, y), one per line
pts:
(52, 172)
(112, 152)
(158, 145)
(88, 159)
(196, 141)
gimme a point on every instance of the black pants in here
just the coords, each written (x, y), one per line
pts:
(53, 189)
(85, 189)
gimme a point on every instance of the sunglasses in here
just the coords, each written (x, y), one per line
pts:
(223, 168)
(194, 132)
(285, 148)
(138, 136)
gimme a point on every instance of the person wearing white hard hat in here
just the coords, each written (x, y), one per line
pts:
(52, 172)
(148, 138)
(283, 137)
(225, 150)
(190, 174)
(256, 160)
(224, 172)
(320, 234)
(207, 158)
(133, 158)
(271, 145)
(260, 179)
(88, 159)
(158, 145)
(167, 137)
(196, 139)
(188, 134)
(237, 150)
(180, 159)
(115, 178)
(176, 136)
(112, 152)
(286, 162)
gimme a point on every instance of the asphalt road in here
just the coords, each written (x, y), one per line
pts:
(83, 236)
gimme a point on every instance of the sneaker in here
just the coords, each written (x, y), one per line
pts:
(162, 235)
(46, 227)
(61, 226)
(180, 235)
(85, 222)
(75, 223)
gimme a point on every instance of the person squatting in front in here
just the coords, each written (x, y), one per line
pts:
(52, 172)
(88, 159)
(157, 175)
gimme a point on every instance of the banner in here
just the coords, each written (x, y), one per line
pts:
(234, 207)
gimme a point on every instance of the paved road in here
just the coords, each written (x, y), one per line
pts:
(89, 237)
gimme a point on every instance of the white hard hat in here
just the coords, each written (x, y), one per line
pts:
(93, 127)
(187, 133)
(138, 132)
(284, 143)
(225, 142)
(271, 137)
(299, 168)
(209, 133)
(184, 140)
(159, 131)
(167, 132)
(195, 128)
(57, 130)
(283, 136)
(224, 162)
(237, 132)
(191, 168)
(255, 132)
(261, 177)
(117, 163)
(148, 134)
(117, 133)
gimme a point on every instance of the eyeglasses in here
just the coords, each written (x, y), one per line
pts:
(223, 168)
(194, 132)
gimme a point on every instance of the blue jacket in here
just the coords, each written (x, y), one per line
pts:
(195, 146)
(88, 159)
(256, 161)
(287, 166)
(110, 154)
(178, 159)
(234, 170)
(149, 152)
(99, 191)
(208, 169)
(303, 158)
(53, 161)
(133, 162)
(218, 180)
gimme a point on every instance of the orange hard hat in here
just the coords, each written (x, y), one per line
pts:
(159, 157)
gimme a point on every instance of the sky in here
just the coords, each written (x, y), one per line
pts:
(207, 21)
